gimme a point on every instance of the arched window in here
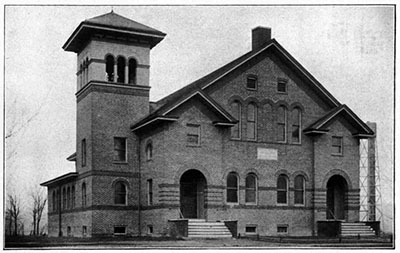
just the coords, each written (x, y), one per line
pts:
(132, 71)
(282, 190)
(120, 193)
(281, 124)
(149, 151)
(64, 194)
(296, 120)
(251, 121)
(54, 202)
(299, 186)
(83, 194)
(236, 112)
(110, 68)
(58, 200)
(68, 198)
(80, 76)
(73, 196)
(232, 187)
(121, 69)
(251, 188)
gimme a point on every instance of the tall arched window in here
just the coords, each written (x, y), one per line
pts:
(83, 194)
(132, 71)
(296, 121)
(282, 189)
(236, 112)
(251, 121)
(251, 188)
(281, 124)
(299, 192)
(68, 198)
(232, 187)
(120, 193)
(64, 195)
(110, 68)
(149, 151)
(80, 76)
(54, 202)
(58, 200)
(121, 69)
(73, 196)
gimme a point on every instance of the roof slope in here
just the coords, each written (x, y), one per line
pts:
(204, 82)
(114, 20)
(321, 124)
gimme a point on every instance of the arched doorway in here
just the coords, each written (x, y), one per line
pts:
(335, 197)
(192, 188)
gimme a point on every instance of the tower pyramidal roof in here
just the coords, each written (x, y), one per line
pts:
(115, 25)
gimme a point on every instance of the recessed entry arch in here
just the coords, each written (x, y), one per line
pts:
(192, 188)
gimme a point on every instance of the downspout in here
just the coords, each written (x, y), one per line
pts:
(59, 211)
(313, 185)
(140, 186)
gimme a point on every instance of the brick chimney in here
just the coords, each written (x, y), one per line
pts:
(260, 35)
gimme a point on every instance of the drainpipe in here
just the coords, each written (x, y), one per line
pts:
(313, 185)
(59, 211)
(140, 186)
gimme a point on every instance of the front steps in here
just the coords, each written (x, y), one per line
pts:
(200, 228)
(356, 229)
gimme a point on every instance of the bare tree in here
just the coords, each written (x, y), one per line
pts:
(39, 202)
(13, 209)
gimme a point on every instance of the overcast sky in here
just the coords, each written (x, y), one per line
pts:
(348, 49)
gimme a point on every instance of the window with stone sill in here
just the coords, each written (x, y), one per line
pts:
(337, 145)
(193, 134)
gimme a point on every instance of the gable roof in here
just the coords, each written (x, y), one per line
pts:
(319, 126)
(161, 114)
(216, 75)
(114, 25)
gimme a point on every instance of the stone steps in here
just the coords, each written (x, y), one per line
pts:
(200, 228)
(356, 229)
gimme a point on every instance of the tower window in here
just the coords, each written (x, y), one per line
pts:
(120, 193)
(132, 71)
(110, 68)
(121, 70)
(149, 151)
(83, 194)
(150, 192)
(83, 146)
(119, 149)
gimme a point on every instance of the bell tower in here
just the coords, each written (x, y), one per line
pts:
(113, 61)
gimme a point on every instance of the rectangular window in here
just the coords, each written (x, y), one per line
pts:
(251, 229)
(282, 85)
(119, 149)
(193, 135)
(150, 192)
(119, 230)
(150, 229)
(282, 229)
(83, 146)
(252, 82)
(337, 145)
(84, 230)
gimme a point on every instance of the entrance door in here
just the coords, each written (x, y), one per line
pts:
(192, 188)
(335, 197)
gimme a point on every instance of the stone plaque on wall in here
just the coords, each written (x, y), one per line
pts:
(267, 154)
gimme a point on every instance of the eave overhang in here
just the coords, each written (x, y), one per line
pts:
(72, 158)
(61, 179)
(86, 30)
(152, 122)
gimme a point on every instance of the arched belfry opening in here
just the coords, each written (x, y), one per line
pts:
(192, 194)
(337, 189)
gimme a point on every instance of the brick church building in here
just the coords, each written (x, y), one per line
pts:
(258, 142)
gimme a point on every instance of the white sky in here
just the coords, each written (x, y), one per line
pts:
(348, 49)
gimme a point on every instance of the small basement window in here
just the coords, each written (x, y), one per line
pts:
(282, 229)
(119, 230)
(251, 229)
(150, 229)
(252, 82)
